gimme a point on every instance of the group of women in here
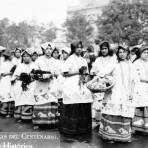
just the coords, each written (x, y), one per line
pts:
(51, 89)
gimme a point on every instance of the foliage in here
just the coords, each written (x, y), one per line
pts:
(78, 28)
(23, 34)
(123, 21)
(49, 33)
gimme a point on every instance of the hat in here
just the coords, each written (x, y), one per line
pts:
(18, 49)
(7, 53)
(45, 45)
(35, 52)
(67, 50)
(28, 51)
(31, 51)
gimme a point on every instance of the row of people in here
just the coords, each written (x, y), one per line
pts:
(122, 110)
(34, 88)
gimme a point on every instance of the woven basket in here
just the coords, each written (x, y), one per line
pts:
(101, 89)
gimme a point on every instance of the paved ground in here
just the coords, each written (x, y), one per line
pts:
(22, 135)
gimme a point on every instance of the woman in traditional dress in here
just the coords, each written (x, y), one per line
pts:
(63, 57)
(2, 50)
(103, 65)
(17, 56)
(16, 61)
(24, 88)
(1, 61)
(140, 122)
(75, 117)
(34, 56)
(45, 111)
(134, 54)
(65, 54)
(55, 53)
(88, 54)
(7, 105)
(119, 109)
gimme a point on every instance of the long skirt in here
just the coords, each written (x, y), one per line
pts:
(115, 128)
(23, 112)
(45, 114)
(7, 108)
(140, 121)
(76, 118)
(97, 107)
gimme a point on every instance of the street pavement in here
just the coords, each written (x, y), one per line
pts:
(22, 135)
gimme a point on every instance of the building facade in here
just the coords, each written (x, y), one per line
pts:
(91, 9)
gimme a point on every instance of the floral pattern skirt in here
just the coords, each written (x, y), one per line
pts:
(140, 121)
(76, 118)
(23, 112)
(7, 108)
(45, 114)
(115, 128)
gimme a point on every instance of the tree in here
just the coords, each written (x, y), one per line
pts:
(19, 35)
(49, 32)
(24, 34)
(4, 23)
(124, 22)
(78, 28)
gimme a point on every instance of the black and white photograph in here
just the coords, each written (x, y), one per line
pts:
(73, 73)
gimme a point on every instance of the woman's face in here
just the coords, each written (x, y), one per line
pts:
(78, 51)
(34, 57)
(48, 51)
(17, 53)
(55, 54)
(104, 51)
(122, 54)
(144, 55)
(26, 58)
(133, 56)
(65, 55)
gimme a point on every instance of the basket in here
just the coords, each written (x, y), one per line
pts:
(101, 89)
(91, 87)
